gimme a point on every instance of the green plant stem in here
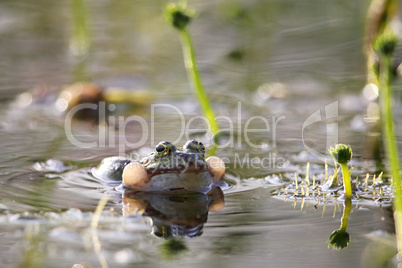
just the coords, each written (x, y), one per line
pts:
(80, 39)
(347, 208)
(346, 181)
(390, 142)
(191, 66)
(80, 34)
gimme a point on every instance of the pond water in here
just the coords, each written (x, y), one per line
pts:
(292, 73)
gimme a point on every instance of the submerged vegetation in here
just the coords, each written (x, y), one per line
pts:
(171, 248)
(323, 188)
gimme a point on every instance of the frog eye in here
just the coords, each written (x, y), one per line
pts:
(195, 146)
(164, 148)
(160, 148)
(201, 147)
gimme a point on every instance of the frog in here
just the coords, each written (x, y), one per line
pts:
(167, 169)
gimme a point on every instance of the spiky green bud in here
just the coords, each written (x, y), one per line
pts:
(341, 153)
(385, 43)
(339, 239)
(178, 15)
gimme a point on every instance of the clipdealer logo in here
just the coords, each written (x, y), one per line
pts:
(237, 131)
(324, 115)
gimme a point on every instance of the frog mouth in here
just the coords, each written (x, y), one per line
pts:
(177, 163)
(135, 175)
(177, 167)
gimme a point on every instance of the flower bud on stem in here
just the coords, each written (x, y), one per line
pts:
(342, 154)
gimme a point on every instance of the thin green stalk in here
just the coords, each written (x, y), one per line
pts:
(179, 16)
(346, 181)
(98, 211)
(379, 17)
(382, 40)
(80, 39)
(385, 79)
(96, 244)
(347, 208)
(191, 65)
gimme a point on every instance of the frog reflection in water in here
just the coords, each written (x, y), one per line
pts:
(167, 169)
(175, 214)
